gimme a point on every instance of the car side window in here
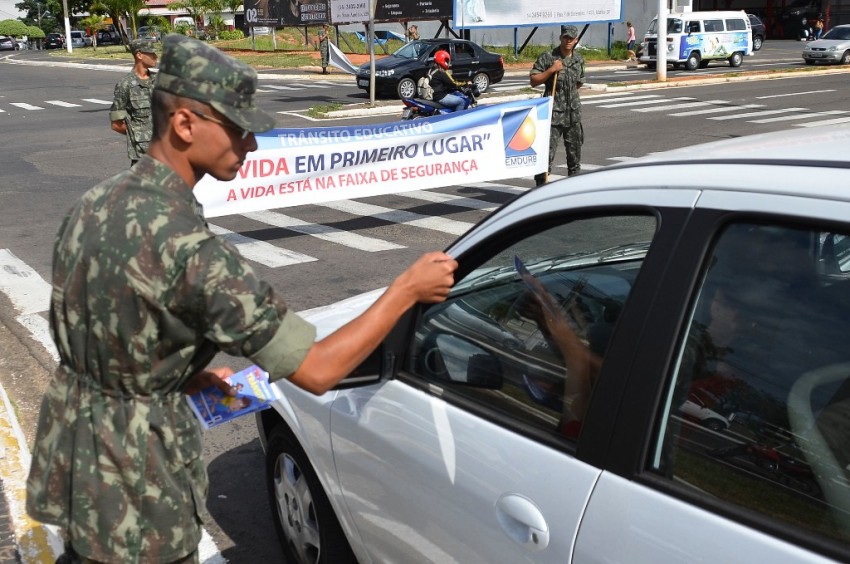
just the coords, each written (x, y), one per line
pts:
(713, 25)
(694, 27)
(524, 335)
(758, 410)
(735, 24)
(463, 52)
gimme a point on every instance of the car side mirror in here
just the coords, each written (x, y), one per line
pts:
(459, 361)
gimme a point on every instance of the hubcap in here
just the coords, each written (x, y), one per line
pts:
(296, 511)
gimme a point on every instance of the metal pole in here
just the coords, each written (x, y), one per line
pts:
(661, 43)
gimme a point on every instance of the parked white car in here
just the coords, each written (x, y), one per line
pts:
(516, 425)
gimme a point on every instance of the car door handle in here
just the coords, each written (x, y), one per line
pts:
(522, 521)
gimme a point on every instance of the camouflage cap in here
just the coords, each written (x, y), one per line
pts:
(569, 31)
(142, 47)
(193, 69)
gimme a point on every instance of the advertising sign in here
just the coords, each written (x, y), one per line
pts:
(411, 10)
(279, 13)
(517, 13)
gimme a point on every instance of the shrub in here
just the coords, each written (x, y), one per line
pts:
(231, 35)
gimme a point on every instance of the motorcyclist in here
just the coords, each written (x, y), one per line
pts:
(444, 85)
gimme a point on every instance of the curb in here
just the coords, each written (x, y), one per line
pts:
(36, 542)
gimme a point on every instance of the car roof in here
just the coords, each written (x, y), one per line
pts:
(771, 163)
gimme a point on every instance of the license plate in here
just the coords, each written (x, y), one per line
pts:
(815, 54)
(363, 83)
(407, 113)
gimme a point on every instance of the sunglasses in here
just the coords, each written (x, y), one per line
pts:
(243, 133)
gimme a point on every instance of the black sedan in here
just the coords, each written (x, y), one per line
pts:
(397, 74)
(758, 31)
(54, 41)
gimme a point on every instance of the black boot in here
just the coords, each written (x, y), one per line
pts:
(540, 179)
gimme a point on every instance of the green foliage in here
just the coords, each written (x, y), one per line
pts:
(34, 32)
(231, 35)
(183, 28)
(15, 28)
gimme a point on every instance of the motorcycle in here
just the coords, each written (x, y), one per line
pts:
(417, 108)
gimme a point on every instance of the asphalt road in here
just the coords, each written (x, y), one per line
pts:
(52, 155)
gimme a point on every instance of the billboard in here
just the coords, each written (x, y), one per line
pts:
(281, 13)
(517, 13)
(410, 10)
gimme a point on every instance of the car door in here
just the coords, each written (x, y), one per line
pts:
(472, 453)
(757, 315)
(465, 62)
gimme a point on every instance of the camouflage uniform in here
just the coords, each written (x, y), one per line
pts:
(144, 295)
(566, 106)
(131, 104)
(324, 48)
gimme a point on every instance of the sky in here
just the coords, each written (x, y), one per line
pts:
(8, 10)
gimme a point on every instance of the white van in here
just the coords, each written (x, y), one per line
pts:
(695, 38)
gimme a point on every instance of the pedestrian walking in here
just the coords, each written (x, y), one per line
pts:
(819, 25)
(562, 71)
(630, 41)
(130, 113)
(144, 296)
(324, 48)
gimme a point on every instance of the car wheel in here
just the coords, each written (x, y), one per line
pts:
(845, 58)
(406, 88)
(757, 43)
(303, 516)
(736, 59)
(714, 424)
(481, 82)
(693, 61)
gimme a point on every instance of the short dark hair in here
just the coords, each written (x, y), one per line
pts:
(163, 105)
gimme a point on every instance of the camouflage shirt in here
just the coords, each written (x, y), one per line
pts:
(566, 107)
(144, 295)
(131, 104)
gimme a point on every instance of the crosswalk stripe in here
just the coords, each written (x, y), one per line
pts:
(25, 106)
(460, 201)
(260, 251)
(61, 104)
(717, 110)
(799, 116)
(644, 102)
(98, 101)
(823, 122)
(610, 95)
(601, 100)
(757, 114)
(677, 106)
(400, 216)
(280, 87)
(324, 232)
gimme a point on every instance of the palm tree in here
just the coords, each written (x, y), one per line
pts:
(94, 22)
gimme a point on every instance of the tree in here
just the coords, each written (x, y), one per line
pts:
(36, 33)
(94, 22)
(14, 28)
(195, 8)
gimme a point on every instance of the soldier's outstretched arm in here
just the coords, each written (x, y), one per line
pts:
(330, 360)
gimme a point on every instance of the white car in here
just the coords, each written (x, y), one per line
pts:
(513, 424)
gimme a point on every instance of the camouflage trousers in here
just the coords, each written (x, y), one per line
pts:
(71, 557)
(573, 138)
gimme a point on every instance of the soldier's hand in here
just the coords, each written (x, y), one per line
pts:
(557, 66)
(211, 377)
(429, 279)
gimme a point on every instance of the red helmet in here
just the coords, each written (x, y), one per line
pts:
(443, 59)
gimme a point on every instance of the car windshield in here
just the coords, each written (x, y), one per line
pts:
(674, 25)
(412, 50)
(838, 34)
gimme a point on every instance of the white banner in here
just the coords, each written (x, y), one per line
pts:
(349, 11)
(293, 167)
(338, 59)
(517, 13)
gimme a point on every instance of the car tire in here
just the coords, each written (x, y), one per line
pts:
(845, 58)
(301, 510)
(736, 59)
(406, 88)
(757, 43)
(693, 61)
(481, 82)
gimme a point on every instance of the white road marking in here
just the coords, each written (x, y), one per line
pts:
(759, 114)
(98, 101)
(260, 251)
(62, 104)
(400, 216)
(718, 110)
(25, 106)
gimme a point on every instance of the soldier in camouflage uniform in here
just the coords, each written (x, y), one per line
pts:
(568, 66)
(324, 48)
(144, 295)
(130, 113)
